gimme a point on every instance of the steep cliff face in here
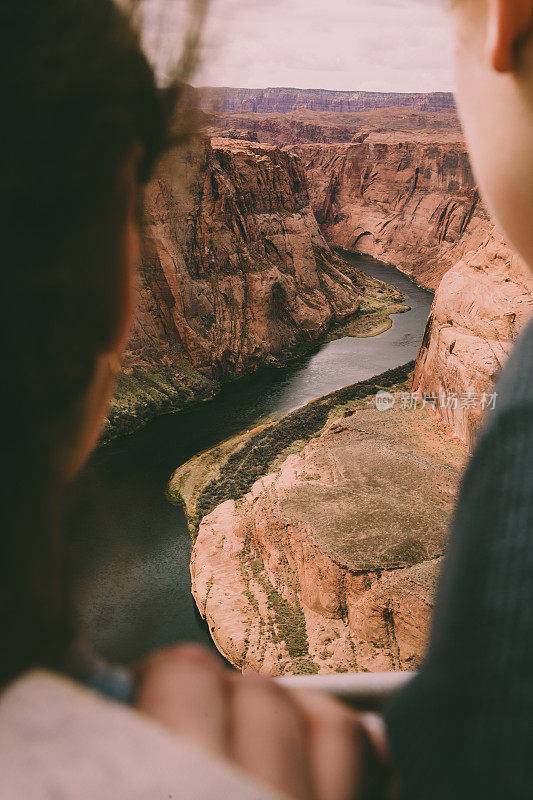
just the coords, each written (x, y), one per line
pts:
(283, 100)
(330, 564)
(236, 262)
(235, 271)
(480, 307)
(399, 187)
(413, 201)
(405, 198)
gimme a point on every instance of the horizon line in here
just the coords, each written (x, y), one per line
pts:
(318, 89)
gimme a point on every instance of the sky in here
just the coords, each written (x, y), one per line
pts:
(373, 45)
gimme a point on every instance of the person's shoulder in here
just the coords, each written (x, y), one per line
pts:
(57, 737)
(514, 386)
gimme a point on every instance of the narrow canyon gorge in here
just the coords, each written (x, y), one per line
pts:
(329, 539)
(410, 199)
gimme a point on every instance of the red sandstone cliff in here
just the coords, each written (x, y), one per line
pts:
(235, 271)
(405, 198)
(480, 307)
(399, 186)
(393, 183)
(235, 259)
(411, 200)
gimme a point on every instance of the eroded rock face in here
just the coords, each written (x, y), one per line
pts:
(235, 271)
(414, 203)
(412, 200)
(330, 564)
(400, 188)
(480, 307)
(409, 199)
(395, 183)
(235, 267)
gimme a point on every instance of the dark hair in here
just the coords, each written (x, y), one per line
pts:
(77, 96)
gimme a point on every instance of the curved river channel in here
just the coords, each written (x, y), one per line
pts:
(132, 546)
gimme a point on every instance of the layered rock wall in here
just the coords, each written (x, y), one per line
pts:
(400, 188)
(283, 100)
(394, 183)
(235, 267)
(482, 304)
(235, 271)
(407, 199)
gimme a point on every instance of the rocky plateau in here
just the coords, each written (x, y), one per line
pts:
(329, 562)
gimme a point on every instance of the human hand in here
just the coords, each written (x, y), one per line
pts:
(304, 744)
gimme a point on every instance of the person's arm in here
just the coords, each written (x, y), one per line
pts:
(464, 727)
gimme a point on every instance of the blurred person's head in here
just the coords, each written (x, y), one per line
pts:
(82, 126)
(494, 77)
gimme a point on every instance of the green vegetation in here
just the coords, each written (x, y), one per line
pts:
(287, 620)
(142, 394)
(378, 302)
(305, 666)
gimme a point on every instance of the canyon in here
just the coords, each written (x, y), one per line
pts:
(237, 272)
(410, 199)
(400, 188)
(318, 536)
(322, 564)
(235, 275)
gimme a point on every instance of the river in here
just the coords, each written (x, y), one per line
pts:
(131, 546)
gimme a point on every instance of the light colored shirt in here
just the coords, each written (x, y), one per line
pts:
(61, 741)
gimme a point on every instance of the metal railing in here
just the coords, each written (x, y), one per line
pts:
(365, 691)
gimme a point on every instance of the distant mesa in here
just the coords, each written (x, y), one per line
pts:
(283, 100)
